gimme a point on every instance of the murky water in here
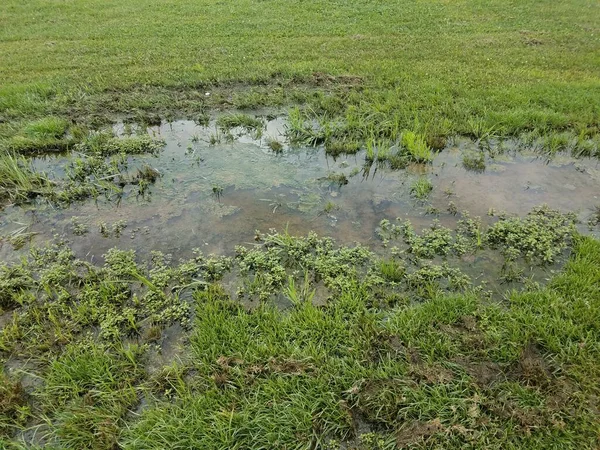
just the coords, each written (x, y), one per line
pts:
(214, 197)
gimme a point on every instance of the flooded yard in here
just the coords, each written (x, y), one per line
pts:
(213, 196)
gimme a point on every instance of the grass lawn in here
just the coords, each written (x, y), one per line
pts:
(510, 66)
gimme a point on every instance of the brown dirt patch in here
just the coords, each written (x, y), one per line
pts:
(532, 369)
(417, 431)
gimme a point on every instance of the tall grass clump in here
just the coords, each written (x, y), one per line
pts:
(416, 146)
(18, 180)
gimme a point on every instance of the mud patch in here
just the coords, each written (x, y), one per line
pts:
(417, 431)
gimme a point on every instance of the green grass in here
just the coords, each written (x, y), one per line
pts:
(394, 355)
(470, 68)
(19, 182)
(464, 374)
(416, 146)
(361, 351)
(43, 135)
(421, 188)
(245, 121)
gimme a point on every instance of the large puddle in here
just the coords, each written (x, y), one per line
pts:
(214, 197)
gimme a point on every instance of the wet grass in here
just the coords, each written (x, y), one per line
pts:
(400, 352)
(245, 121)
(275, 146)
(474, 161)
(19, 182)
(43, 135)
(98, 167)
(312, 345)
(421, 188)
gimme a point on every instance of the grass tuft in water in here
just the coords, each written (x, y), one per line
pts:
(19, 182)
(43, 135)
(421, 188)
(275, 146)
(417, 147)
(336, 147)
(106, 144)
(244, 121)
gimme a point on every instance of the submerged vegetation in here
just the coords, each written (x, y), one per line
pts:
(100, 168)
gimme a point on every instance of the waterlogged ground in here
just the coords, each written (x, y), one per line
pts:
(461, 324)
(215, 195)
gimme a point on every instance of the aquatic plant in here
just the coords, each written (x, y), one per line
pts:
(541, 237)
(79, 228)
(147, 173)
(217, 190)
(340, 179)
(329, 207)
(275, 146)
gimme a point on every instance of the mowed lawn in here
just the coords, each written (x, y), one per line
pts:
(518, 64)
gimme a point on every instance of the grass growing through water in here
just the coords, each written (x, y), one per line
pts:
(19, 182)
(275, 146)
(417, 147)
(402, 351)
(100, 168)
(246, 122)
(474, 161)
(43, 135)
(421, 188)
(450, 372)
